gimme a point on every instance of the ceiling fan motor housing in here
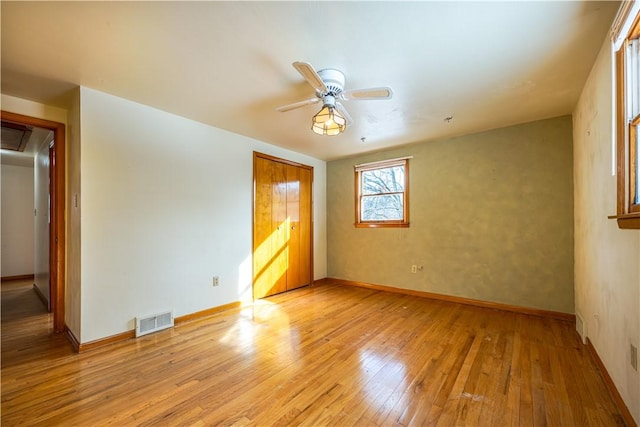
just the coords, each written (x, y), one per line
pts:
(329, 88)
(333, 80)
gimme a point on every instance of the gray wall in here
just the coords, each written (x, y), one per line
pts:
(491, 219)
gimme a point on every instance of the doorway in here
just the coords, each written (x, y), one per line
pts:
(57, 242)
(282, 225)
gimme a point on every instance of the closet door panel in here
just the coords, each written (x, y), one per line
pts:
(305, 227)
(262, 232)
(279, 226)
(293, 214)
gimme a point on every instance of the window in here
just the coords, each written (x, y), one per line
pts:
(627, 28)
(382, 193)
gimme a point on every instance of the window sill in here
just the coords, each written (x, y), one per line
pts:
(382, 225)
(628, 221)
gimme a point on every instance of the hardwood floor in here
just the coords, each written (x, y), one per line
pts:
(327, 355)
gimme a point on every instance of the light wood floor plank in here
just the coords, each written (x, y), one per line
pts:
(327, 355)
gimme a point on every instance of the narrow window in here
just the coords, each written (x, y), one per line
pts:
(628, 122)
(634, 146)
(382, 194)
(632, 83)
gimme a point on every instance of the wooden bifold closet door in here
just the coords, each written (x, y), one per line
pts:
(282, 225)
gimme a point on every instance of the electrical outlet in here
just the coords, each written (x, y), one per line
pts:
(216, 281)
(414, 268)
(634, 357)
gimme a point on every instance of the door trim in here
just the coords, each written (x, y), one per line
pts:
(57, 232)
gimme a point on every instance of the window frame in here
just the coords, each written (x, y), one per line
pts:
(385, 164)
(627, 210)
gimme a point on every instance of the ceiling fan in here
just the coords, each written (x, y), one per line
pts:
(329, 86)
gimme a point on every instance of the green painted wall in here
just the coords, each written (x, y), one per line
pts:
(491, 219)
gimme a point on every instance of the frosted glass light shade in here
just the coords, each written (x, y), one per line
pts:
(328, 121)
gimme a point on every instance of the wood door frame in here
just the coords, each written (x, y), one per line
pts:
(57, 227)
(253, 212)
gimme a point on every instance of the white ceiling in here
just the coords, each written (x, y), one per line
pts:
(228, 64)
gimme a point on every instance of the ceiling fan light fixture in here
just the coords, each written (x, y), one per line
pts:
(328, 121)
(328, 84)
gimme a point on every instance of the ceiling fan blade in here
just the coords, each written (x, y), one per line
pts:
(311, 76)
(344, 112)
(298, 104)
(371, 93)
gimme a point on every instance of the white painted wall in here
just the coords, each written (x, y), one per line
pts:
(42, 219)
(17, 220)
(166, 204)
(607, 274)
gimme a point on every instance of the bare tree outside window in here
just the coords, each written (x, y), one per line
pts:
(383, 194)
